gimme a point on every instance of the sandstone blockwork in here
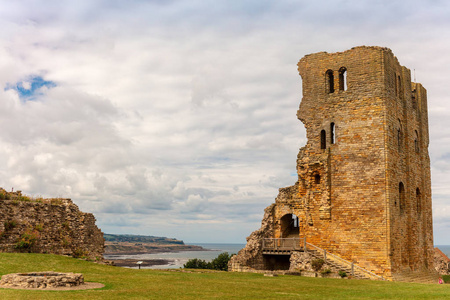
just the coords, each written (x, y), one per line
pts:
(364, 189)
(54, 226)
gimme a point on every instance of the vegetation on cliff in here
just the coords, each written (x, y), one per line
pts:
(130, 238)
(139, 244)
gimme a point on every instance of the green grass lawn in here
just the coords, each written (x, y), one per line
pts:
(121, 283)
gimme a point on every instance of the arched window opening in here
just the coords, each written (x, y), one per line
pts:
(418, 202)
(330, 81)
(343, 79)
(317, 179)
(332, 133)
(416, 141)
(289, 226)
(323, 140)
(401, 196)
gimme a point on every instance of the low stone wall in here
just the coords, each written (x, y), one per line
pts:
(54, 226)
(42, 280)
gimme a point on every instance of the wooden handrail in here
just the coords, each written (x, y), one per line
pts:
(283, 244)
(345, 262)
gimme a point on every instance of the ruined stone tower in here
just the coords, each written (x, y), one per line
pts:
(364, 190)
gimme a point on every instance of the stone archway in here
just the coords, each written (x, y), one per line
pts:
(289, 226)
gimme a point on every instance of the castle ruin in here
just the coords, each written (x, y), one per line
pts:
(53, 225)
(363, 193)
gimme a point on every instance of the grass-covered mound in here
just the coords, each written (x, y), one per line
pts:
(121, 283)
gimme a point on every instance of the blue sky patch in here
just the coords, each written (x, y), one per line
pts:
(31, 87)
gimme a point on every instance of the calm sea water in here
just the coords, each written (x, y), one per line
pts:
(180, 258)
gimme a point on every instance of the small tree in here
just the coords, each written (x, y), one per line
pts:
(221, 261)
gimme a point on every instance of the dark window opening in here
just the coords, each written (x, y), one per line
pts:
(330, 81)
(401, 196)
(399, 89)
(418, 201)
(399, 136)
(323, 140)
(413, 98)
(343, 79)
(416, 142)
(332, 133)
(396, 85)
(317, 179)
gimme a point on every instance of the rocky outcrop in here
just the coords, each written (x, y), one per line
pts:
(53, 225)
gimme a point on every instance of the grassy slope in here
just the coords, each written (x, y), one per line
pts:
(124, 283)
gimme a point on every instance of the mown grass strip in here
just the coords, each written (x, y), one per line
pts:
(122, 283)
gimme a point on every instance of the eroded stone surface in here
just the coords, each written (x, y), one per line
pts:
(364, 189)
(54, 226)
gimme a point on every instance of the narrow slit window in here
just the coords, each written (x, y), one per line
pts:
(416, 142)
(419, 201)
(399, 136)
(330, 81)
(332, 133)
(343, 79)
(401, 196)
(323, 139)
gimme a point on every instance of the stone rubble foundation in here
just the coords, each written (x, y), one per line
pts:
(42, 280)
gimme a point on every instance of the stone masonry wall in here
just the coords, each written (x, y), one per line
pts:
(364, 187)
(47, 226)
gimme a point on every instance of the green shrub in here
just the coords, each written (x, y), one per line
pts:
(342, 274)
(24, 198)
(218, 263)
(39, 227)
(446, 278)
(9, 224)
(79, 253)
(196, 263)
(326, 271)
(27, 239)
(317, 264)
(221, 261)
(55, 201)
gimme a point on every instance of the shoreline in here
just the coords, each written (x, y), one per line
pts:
(131, 263)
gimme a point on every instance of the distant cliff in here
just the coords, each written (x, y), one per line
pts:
(53, 225)
(140, 244)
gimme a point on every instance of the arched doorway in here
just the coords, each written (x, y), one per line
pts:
(289, 226)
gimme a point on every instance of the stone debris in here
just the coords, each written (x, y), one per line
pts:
(41, 280)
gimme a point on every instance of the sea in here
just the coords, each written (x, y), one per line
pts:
(444, 248)
(180, 258)
(211, 251)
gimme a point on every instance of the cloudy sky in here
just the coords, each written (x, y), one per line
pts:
(178, 118)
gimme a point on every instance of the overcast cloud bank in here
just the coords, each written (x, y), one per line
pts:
(178, 118)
